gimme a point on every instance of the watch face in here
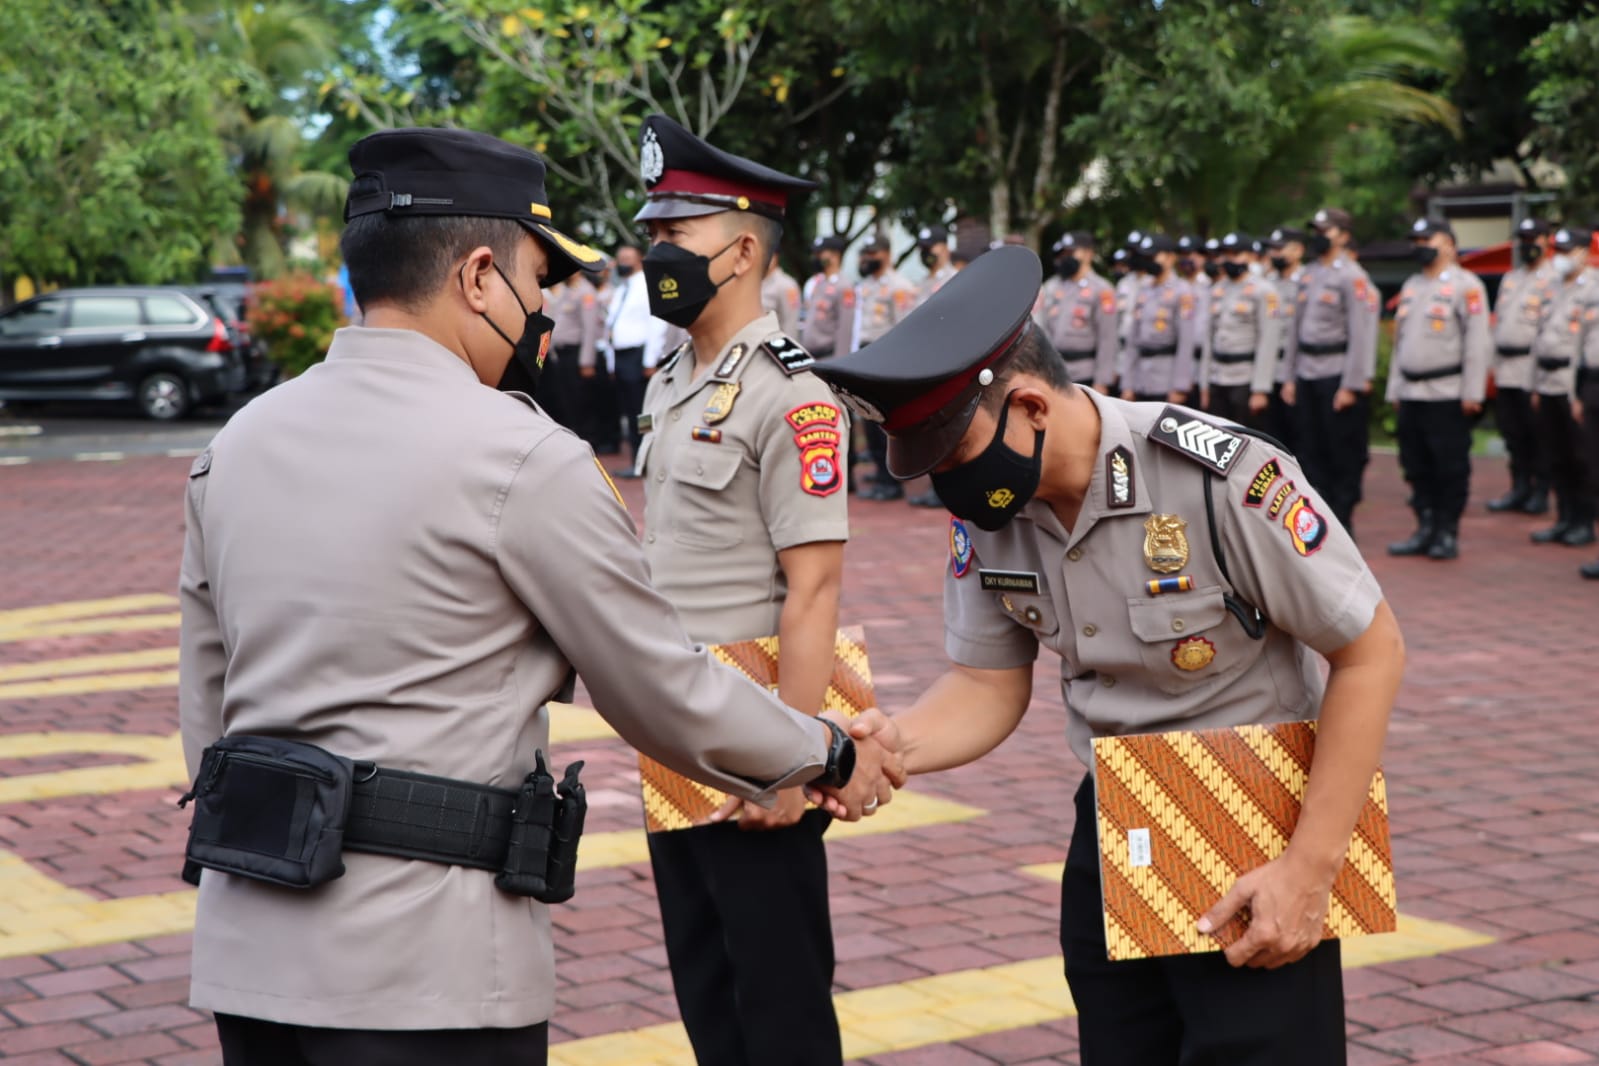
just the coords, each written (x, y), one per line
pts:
(846, 761)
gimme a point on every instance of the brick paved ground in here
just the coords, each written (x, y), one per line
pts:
(1491, 769)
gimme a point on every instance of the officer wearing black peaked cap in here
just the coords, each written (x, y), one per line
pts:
(396, 559)
(1184, 573)
(746, 519)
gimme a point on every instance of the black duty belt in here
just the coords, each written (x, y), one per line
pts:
(1433, 374)
(416, 816)
(1323, 349)
(1150, 353)
(1549, 362)
(1074, 356)
(1505, 349)
(1233, 357)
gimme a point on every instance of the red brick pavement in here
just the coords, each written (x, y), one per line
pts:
(1491, 764)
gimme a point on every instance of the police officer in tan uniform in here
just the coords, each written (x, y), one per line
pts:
(1437, 380)
(1058, 495)
(1285, 251)
(1158, 360)
(780, 294)
(829, 301)
(932, 244)
(745, 523)
(1244, 329)
(1077, 309)
(1331, 356)
(882, 298)
(1558, 349)
(1519, 305)
(575, 307)
(399, 558)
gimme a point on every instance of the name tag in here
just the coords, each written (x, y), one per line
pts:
(1008, 581)
(646, 423)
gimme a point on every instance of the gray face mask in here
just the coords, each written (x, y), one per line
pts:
(1563, 264)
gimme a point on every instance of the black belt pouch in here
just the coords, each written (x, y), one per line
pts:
(541, 859)
(271, 810)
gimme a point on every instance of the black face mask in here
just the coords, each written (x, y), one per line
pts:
(1317, 245)
(1214, 270)
(521, 374)
(1186, 265)
(1280, 264)
(624, 270)
(869, 267)
(1425, 254)
(1531, 253)
(1068, 267)
(929, 260)
(817, 266)
(680, 282)
(1148, 264)
(991, 489)
(1235, 270)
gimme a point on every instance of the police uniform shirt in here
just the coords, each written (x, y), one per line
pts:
(880, 302)
(933, 282)
(1126, 299)
(1441, 323)
(575, 309)
(390, 560)
(1563, 332)
(780, 294)
(739, 464)
(829, 316)
(1336, 305)
(1163, 322)
(1079, 318)
(1244, 321)
(1523, 294)
(1287, 286)
(1134, 661)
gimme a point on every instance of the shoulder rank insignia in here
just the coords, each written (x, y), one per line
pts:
(960, 548)
(731, 362)
(1119, 478)
(1165, 543)
(788, 354)
(670, 361)
(720, 405)
(1202, 441)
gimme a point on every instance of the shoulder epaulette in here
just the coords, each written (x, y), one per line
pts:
(788, 354)
(1204, 442)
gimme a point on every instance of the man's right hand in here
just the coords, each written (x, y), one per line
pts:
(879, 770)
(1258, 402)
(585, 372)
(1288, 393)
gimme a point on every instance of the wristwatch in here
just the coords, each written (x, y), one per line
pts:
(840, 758)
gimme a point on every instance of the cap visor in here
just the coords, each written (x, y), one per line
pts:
(671, 207)
(567, 256)
(915, 451)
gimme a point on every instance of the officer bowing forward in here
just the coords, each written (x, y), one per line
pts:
(1438, 379)
(1081, 524)
(745, 525)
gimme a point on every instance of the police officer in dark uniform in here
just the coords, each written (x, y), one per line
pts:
(1055, 491)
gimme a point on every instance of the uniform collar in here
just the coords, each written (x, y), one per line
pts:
(1117, 448)
(732, 360)
(365, 344)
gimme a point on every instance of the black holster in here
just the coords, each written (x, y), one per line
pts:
(546, 822)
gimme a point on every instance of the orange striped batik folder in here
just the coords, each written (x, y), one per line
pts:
(672, 801)
(1182, 815)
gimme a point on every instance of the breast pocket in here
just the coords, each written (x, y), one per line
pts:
(703, 515)
(1185, 639)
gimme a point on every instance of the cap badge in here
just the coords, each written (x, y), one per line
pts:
(1165, 543)
(651, 160)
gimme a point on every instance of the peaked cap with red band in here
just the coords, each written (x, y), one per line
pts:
(923, 379)
(685, 177)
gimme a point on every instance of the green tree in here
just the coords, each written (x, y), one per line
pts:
(1565, 109)
(111, 169)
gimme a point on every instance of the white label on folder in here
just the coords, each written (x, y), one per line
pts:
(1138, 848)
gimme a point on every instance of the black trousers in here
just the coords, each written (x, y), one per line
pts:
(630, 392)
(602, 418)
(1280, 421)
(1334, 446)
(1560, 438)
(1189, 1010)
(1232, 403)
(1514, 416)
(749, 936)
(1435, 452)
(1588, 393)
(877, 445)
(252, 1042)
(560, 390)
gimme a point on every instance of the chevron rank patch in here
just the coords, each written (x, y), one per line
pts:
(1202, 441)
(789, 354)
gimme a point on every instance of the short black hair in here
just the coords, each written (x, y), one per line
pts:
(1031, 354)
(768, 232)
(406, 261)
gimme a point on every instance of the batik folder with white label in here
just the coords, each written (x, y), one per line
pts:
(1183, 815)
(672, 801)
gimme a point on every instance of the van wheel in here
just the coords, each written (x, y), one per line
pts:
(164, 396)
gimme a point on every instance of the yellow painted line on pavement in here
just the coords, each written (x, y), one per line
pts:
(77, 686)
(88, 664)
(90, 627)
(39, 915)
(57, 612)
(161, 766)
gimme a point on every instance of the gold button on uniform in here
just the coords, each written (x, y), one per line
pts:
(1033, 615)
(1177, 624)
(676, 415)
(1089, 631)
(1107, 681)
(1075, 554)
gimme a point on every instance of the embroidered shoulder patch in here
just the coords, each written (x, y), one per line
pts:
(1307, 528)
(810, 415)
(788, 354)
(1205, 443)
(1260, 487)
(1107, 301)
(960, 548)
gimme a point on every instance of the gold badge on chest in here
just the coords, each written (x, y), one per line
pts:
(720, 405)
(1165, 543)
